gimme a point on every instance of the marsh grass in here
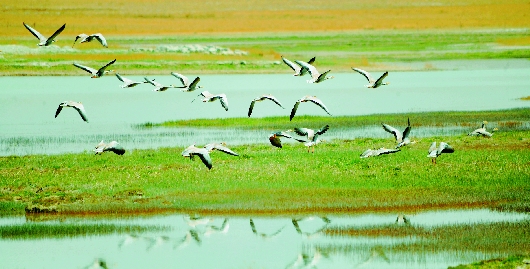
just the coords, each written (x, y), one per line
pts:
(62, 230)
(499, 237)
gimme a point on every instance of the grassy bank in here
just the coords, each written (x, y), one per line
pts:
(481, 173)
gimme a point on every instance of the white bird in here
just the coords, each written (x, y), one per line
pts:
(316, 77)
(401, 137)
(158, 86)
(298, 70)
(261, 98)
(187, 86)
(482, 131)
(372, 83)
(308, 98)
(376, 152)
(77, 105)
(128, 83)
(43, 41)
(204, 153)
(96, 73)
(112, 146)
(97, 264)
(88, 38)
(274, 138)
(208, 97)
(434, 151)
(311, 135)
(402, 219)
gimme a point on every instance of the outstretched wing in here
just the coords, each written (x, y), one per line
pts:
(194, 83)
(101, 71)
(86, 68)
(219, 147)
(50, 39)
(311, 69)
(272, 98)
(397, 134)
(35, 32)
(182, 78)
(302, 131)
(293, 111)
(58, 110)
(251, 107)
(364, 73)
(81, 109)
(445, 148)
(205, 158)
(292, 65)
(100, 38)
(379, 81)
(319, 103)
(224, 101)
(322, 130)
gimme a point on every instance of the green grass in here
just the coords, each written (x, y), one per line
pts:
(338, 51)
(41, 230)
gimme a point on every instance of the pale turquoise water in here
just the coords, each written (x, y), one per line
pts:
(28, 104)
(276, 243)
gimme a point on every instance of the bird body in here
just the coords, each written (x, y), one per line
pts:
(220, 147)
(434, 151)
(112, 146)
(372, 83)
(377, 152)
(482, 131)
(83, 38)
(298, 70)
(128, 83)
(76, 105)
(308, 98)
(316, 77)
(208, 97)
(274, 138)
(204, 153)
(43, 41)
(158, 86)
(187, 86)
(96, 73)
(261, 98)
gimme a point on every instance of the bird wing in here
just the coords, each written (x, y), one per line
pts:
(292, 65)
(293, 111)
(121, 78)
(152, 82)
(432, 150)
(251, 107)
(272, 98)
(311, 69)
(311, 61)
(101, 39)
(204, 156)
(219, 147)
(386, 151)
(58, 110)
(365, 74)
(79, 36)
(101, 71)
(303, 131)
(319, 103)
(194, 83)
(182, 78)
(223, 100)
(322, 76)
(35, 33)
(50, 39)
(322, 130)
(406, 132)
(81, 109)
(379, 81)
(115, 147)
(445, 148)
(86, 68)
(367, 153)
(397, 134)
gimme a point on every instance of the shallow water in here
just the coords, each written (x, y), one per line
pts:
(28, 104)
(273, 243)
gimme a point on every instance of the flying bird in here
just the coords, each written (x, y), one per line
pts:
(311, 135)
(482, 131)
(112, 146)
(88, 38)
(316, 77)
(96, 73)
(402, 219)
(434, 151)
(261, 98)
(308, 98)
(204, 153)
(274, 138)
(158, 86)
(372, 83)
(128, 83)
(187, 86)
(77, 105)
(376, 152)
(298, 70)
(401, 137)
(43, 41)
(208, 97)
